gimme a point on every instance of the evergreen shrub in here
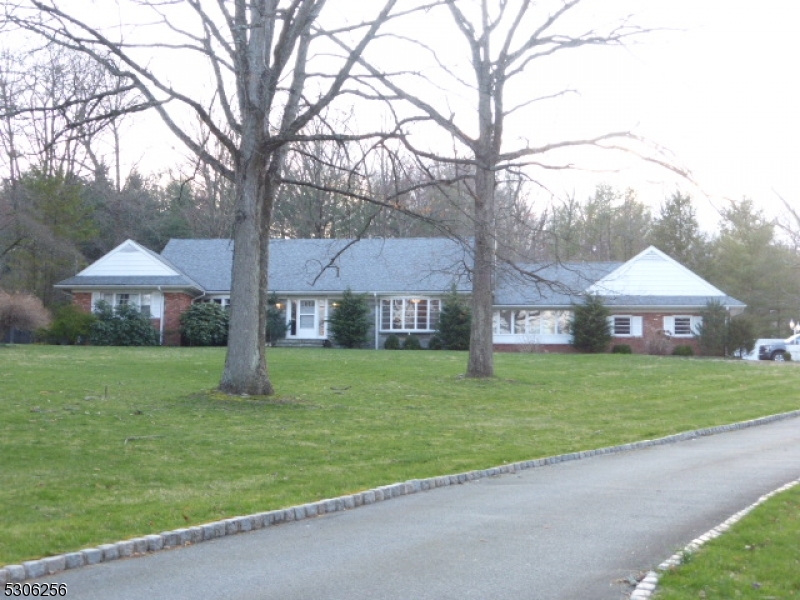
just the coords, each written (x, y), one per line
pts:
(621, 349)
(349, 324)
(123, 325)
(712, 333)
(683, 351)
(454, 323)
(411, 343)
(205, 324)
(435, 343)
(392, 342)
(589, 325)
(276, 321)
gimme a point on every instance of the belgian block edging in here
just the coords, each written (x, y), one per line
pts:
(648, 585)
(34, 569)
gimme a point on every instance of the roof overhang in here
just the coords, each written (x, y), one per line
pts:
(114, 287)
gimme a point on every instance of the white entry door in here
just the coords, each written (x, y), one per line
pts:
(308, 319)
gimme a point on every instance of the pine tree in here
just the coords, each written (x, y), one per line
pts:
(349, 324)
(589, 325)
(712, 333)
(276, 321)
(454, 323)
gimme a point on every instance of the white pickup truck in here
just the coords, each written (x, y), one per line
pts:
(776, 349)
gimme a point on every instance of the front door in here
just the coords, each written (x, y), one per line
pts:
(307, 319)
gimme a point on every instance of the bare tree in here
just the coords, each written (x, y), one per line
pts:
(56, 105)
(505, 40)
(273, 71)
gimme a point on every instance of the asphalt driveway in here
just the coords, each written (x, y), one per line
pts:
(573, 530)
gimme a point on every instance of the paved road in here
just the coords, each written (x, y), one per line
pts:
(567, 531)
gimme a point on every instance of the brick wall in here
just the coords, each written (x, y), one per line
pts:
(174, 305)
(83, 300)
(653, 340)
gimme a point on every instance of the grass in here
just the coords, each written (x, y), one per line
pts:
(758, 558)
(103, 444)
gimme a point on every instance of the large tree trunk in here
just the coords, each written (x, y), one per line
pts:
(481, 351)
(246, 363)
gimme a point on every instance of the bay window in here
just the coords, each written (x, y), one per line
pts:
(410, 314)
(531, 322)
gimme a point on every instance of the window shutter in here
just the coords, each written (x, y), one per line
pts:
(669, 324)
(696, 322)
(611, 325)
(636, 326)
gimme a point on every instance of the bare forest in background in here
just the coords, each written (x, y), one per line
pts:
(62, 207)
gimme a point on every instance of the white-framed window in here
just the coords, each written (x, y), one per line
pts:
(224, 302)
(621, 326)
(531, 322)
(143, 301)
(625, 326)
(682, 325)
(410, 314)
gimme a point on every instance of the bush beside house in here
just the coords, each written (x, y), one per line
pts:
(454, 324)
(741, 335)
(720, 335)
(71, 325)
(349, 324)
(712, 332)
(205, 324)
(122, 325)
(276, 321)
(589, 325)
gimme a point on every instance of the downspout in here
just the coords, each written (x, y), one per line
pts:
(377, 320)
(163, 316)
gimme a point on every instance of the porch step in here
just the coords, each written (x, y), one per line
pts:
(285, 343)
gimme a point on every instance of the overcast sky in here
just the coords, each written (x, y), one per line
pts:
(717, 87)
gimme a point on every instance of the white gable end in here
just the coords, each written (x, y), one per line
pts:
(128, 259)
(653, 273)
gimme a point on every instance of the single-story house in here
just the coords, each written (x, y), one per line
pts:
(655, 301)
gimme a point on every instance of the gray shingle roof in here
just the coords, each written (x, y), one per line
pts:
(421, 265)
(385, 266)
(548, 285)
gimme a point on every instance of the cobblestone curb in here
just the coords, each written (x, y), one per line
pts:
(34, 569)
(649, 584)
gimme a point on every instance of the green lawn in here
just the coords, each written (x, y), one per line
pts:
(757, 559)
(103, 444)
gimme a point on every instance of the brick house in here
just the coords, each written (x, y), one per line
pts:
(655, 301)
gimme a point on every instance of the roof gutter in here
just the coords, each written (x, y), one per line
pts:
(377, 321)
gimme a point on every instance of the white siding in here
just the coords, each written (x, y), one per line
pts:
(129, 259)
(653, 273)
